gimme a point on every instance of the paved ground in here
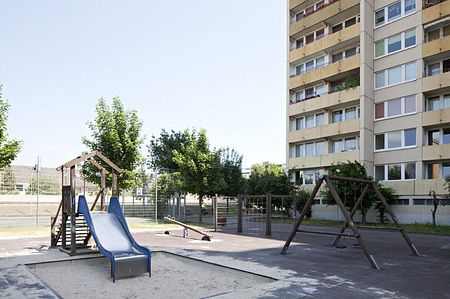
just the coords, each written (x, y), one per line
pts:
(311, 268)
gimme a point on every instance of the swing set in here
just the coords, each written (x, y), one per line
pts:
(348, 223)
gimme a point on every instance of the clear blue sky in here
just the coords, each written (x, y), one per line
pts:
(218, 65)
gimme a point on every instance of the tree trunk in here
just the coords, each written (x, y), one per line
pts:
(200, 202)
(382, 216)
(363, 216)
(433, 213)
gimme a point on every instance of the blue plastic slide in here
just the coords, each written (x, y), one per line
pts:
(114, 240)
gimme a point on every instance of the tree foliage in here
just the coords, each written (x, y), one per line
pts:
(47, 185)
(349, 192)
(231, 172)
(8, 181)
(9, 149)
(161, 150)
(116, 133)
(269, 178)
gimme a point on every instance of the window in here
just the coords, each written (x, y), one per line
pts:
(379, 173)
(379, 110)
(446, 100)
(410, 38)
(320, 148)
(320, 33)
(433, 34)
(410, 6)
(299, 16)
(320, 89)
(401, 202)
(309, 93)
(299, 96)
(336, 28)
(434, 103)
(351, 144)
(299, 150)
(446, 30)
(309, 177)
(394, 11)
(320, 4)
(434, 69)
(350, 113)
(350, 52)
(410, 104)
(379, 142)
(446, 136)
(395, 139)
(434, 137)
(350, 22)
(379, 17)
(379, 48)
(320, 119)
(309, 10)
(394, 43)
(337, 57)
(432, 171)
(299, 124)
(309, 66)
(394, 107)
(309, 149)
(445, 170)
(299, 43)
(410, 137)
(398, 171)
(299, 69)
(380, 79)
(395, 75)
(337, 146)
(309, 120)
(410, 71)
(336, 116)
(309, 38)
(320, 62)
(394, 172)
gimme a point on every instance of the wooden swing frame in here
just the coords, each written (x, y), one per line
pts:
(348, 216)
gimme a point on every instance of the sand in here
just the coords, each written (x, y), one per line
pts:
(172, 277)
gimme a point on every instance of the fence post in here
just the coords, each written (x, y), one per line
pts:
(239, 219)
(269, 214)
(215, 212)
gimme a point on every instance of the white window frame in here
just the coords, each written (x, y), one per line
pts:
(402, 13)
(386, 105)
(441, 101)
(343, 114)
(386, 44)
(344, 148)
(402, 141)
(402, 171)
(386, 76)
(314, 143)
(441, 136)
(441, 67)
(303, 93)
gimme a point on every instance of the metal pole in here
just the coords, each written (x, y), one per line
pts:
(239, 220)
(268, 214)
(37, 192)
(156, 198)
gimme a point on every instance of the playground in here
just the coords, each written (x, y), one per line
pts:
(240, 253)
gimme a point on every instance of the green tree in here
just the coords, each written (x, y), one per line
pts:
(9, 149)
(116, 133)
(161, 150)
(349, 192)
(231, 172)
(47, 185)
(8, 181)
(302, 197)
(198, 166)
(269, 178)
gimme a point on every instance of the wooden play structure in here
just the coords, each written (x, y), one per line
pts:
(68, 229)
(348, 215)
(186, 228)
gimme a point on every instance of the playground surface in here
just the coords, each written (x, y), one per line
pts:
(310, 269)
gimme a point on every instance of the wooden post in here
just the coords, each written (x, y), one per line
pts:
(350, 223)
(268, 214)
(63, 214)
(394, 218)
(73, 232)
(239, 216)
(302, 215)
(215, 215)
(114, 184)
(103, 187)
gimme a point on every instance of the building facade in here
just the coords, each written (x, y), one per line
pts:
(370, 81)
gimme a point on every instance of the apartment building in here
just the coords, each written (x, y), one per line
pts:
(369, 80)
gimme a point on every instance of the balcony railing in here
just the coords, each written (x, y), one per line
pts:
(314, 11)
(295, 47)
(317, 95)
(430, 3)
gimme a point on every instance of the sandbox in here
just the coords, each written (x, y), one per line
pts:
(173, 276)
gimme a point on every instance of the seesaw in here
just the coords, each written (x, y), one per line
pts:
(186, 228)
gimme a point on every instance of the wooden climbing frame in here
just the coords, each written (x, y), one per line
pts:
(348, 215)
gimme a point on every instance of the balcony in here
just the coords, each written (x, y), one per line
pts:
(436, 117)
(324, 13)
(335, 129)
(323, 160)
(326, 42)
(435, 10)
(417, 187)
(438, 81)
(294, 3)
(325, 72)
(436, 46)
(325, 101)
(436, 152)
